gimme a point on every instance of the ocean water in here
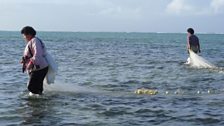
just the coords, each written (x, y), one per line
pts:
(99, 72)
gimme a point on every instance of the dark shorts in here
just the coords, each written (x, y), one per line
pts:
(194, 49)
(35, 84)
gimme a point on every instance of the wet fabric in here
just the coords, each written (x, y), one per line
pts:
(35, 84)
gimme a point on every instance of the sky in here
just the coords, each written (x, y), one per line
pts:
(172, 16)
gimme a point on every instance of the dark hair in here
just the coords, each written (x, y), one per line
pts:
(28, 31)
(190, 30)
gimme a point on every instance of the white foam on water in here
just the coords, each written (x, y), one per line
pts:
(62, 87)
(66, 87)
(199, 62)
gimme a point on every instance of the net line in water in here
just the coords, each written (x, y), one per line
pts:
(145, 91)
(69, 88)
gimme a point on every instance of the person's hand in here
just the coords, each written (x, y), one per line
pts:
(30, 65)
(188, 50)
(22, 60)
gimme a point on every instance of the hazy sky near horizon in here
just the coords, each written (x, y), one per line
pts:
(206, 16)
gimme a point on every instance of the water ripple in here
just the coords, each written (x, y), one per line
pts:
(98, 74)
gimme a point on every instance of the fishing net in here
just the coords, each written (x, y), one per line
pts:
(198, 61)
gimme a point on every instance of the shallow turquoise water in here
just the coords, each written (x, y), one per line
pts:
(99, 72)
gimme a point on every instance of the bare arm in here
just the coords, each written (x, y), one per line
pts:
(188, 42)
(199, 50)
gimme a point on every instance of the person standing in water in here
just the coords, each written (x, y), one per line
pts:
(34, 61)
(192, 41)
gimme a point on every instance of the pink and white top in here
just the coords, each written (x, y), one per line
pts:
(35, 52)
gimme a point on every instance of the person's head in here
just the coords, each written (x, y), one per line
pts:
(190, 31)
(28, 33)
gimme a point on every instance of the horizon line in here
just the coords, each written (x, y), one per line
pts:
(116, 32)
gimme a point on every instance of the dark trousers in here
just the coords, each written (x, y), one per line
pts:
(35, 84)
